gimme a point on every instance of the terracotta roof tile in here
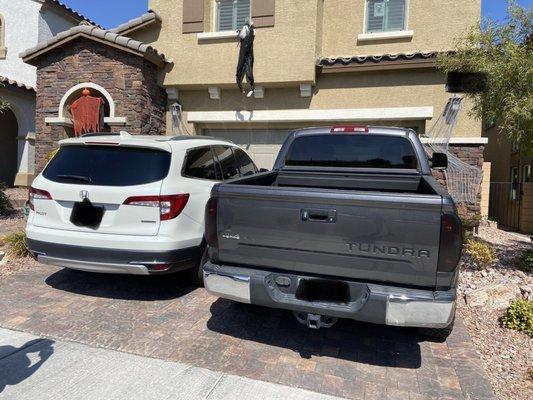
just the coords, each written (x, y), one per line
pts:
(148, 18)
(11, 82)
(327, 62)
(73, 12)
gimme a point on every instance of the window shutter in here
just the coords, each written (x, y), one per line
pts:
(263, 12)
(193, 16)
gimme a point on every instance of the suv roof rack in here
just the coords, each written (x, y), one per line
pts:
(198, 137)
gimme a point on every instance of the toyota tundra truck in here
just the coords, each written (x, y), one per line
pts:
(350, 223)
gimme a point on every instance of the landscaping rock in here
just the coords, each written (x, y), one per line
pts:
(497, 297)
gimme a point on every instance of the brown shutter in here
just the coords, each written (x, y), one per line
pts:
(193, 16)
(263, 12)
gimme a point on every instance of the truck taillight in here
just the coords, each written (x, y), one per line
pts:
(169, 206)
(37, 194)
(349, 129)
(211, 222)
(451, 243)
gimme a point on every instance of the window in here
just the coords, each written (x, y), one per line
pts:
(385, 15)
(2, 37)
(108, 166)
(227, 162)
(200, 163)
(526, 173)
(352, 151)
(244, 163)
(231, 14)
(515, 186)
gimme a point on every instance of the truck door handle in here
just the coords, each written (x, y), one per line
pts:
(326, 216)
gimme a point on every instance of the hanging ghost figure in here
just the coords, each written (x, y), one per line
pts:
(246, 56)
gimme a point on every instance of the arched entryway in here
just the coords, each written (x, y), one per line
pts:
(8, 146)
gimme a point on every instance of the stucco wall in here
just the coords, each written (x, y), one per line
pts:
(283, 53)
(383, 89)
(51, 23)
(435, 24)
(22, 32)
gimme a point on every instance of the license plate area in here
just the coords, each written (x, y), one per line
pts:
(323, 290)
(85, 214)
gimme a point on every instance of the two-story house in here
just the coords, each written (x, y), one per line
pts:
(23, 23)
(317, 62)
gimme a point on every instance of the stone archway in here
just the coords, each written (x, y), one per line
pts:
(9, 128)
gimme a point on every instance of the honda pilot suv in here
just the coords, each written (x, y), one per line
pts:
(129, 204)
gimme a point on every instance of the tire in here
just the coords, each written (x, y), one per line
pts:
(439, 334)
(197, 273)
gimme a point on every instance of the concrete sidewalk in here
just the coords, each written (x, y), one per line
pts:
(36, 368)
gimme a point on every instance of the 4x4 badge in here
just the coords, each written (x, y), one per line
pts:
(84, 194)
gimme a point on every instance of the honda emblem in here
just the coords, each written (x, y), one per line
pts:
(84, 194)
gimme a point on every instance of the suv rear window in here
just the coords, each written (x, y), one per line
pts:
(352, 151)
(108, 165)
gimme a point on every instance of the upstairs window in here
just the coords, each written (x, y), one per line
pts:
(231, 14)
(385, 15)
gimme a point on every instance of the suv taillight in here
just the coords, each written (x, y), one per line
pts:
(451, 243)
(211, 222)
(38, 194)
(169, 206)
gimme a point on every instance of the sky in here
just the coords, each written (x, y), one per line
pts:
(110, 13)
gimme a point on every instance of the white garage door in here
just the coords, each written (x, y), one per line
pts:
(262, 145)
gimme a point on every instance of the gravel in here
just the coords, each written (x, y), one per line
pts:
(507, 355)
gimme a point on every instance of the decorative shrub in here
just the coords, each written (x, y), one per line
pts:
(480, 252)
(519, 316)
(17, 244)
(5, 205)
(524, 262)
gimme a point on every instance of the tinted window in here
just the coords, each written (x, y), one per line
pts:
(108, 165)
(227, 162)
(352, 151)
(200, 164)
(244, 163)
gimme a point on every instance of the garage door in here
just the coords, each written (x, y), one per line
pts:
(262, 145)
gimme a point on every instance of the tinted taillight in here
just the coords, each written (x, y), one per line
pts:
(37, 194)
(451, 243)
(211, 222)
(169, 206)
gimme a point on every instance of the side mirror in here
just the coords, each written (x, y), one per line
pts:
(263, 170)
(439, 161)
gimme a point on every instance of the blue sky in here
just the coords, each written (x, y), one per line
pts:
(110, 13)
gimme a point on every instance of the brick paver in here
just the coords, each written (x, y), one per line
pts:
(164, 317)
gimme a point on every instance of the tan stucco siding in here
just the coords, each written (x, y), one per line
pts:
(382, 89)
(284, 53)
(435, 24)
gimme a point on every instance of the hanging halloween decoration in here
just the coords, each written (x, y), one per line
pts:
(87, 113)
(246, 56)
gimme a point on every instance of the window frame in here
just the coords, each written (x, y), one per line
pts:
(528, 167)
(3, 48)
(216, 15)
(383, 32)
(218, 174)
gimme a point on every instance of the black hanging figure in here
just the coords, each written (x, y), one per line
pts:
(246, 56)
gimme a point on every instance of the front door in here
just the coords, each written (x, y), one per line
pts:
(8, 147)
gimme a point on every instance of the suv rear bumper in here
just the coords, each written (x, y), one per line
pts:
(380, 304)
(95, 259)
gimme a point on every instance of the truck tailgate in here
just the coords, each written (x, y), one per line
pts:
(373, 236)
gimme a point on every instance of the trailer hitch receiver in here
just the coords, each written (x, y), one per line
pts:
(315, 321)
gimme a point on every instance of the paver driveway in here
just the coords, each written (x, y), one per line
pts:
(165, 318)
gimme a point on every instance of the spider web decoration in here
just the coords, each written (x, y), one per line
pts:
(462, 180)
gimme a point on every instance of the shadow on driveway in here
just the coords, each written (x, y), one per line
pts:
(16, 365)
(121, 287)
(348, 340)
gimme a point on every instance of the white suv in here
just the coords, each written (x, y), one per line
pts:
(129, 204)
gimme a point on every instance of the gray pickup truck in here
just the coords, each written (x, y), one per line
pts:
(350, 223)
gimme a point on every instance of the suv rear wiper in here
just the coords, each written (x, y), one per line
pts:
(75, 177)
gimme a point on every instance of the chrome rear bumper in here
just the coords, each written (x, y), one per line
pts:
(228, 286)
